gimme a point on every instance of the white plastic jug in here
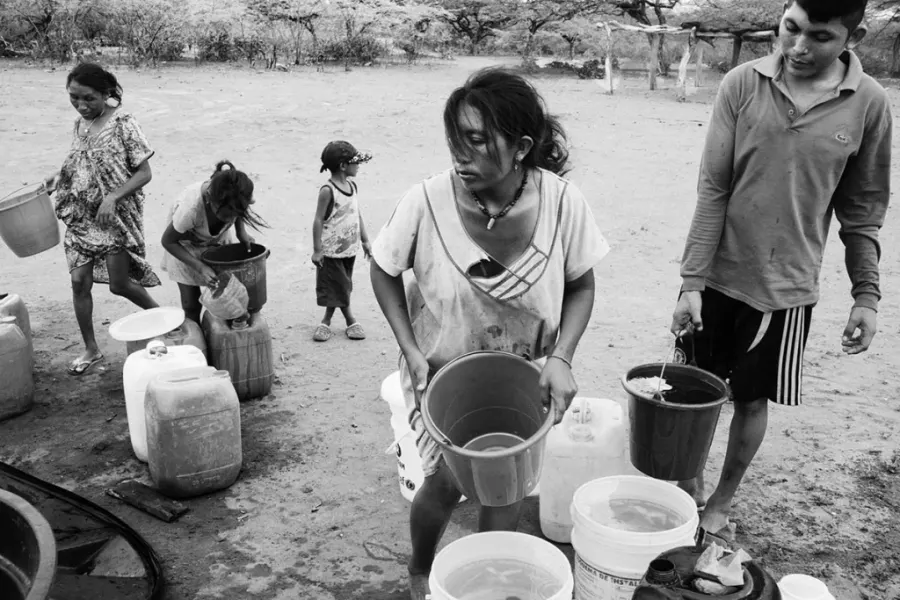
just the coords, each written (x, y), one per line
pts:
(589, 443)
(140, 367)
(193, 431)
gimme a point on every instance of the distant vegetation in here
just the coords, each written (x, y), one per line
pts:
(285, 33)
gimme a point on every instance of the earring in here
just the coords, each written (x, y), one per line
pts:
(516, 165)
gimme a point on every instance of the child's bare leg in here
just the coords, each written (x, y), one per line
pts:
(190, 301)
(329, 312)
(748, 429)
(428, 518)
(499, 518)
(348, 315)
(695, 487)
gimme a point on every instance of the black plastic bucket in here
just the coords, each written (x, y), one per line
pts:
(248, 267)
(670, 439)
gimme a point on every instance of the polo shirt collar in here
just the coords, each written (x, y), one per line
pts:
(771, 67)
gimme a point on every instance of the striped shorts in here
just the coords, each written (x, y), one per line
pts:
(760, 354)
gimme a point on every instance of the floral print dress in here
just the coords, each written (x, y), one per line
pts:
(97, 165)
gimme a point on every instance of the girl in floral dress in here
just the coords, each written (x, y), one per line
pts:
(99, 198)
(500, 252)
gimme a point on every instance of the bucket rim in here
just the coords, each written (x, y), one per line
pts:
(627, 377)
(446, 444)
(42, 579)
(578, 517)
(15, 198)
(510, 538)
(258, 251)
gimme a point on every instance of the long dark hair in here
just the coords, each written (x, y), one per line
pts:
(509, 106)
(97, 78)
(234, 189)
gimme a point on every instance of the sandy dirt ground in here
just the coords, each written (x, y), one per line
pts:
(317, 511)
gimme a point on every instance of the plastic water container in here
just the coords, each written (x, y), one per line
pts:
(17, 391)
(244, 349)
(588, 444)
(142, 366)
(409, 463)
(610, 561)
(193, 431)
(12, 305)
(803, 587)
(500, 564)
(28, 223)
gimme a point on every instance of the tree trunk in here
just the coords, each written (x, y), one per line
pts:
(652, 61)
(698, 69)
(736, 51)
(895, 56)
(572, 49)
(663, 58)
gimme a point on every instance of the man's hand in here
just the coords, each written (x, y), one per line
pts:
(860, 329)
(687, 313)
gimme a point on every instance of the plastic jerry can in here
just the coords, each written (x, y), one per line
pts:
(589, 443)
(193, 431)
(242, 347)
(12, 305)
(17, 391)
(140, 367)
(188, 334)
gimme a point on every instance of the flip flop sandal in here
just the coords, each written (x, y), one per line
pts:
(355, 332)
(323, 333)
(79, 368)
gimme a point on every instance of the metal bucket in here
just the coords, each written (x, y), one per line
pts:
(482, 396)
(27, 550)
(248, 267)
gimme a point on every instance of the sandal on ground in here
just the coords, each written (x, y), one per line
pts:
(355, 332)
(80, 367)
(323, 333)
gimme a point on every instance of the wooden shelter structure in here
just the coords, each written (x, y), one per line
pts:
(694, 33)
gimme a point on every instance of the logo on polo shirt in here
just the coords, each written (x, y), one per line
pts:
(842, 137)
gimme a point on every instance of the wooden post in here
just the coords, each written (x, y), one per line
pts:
(736, 51)
(609, 61)
(698, 69)
(653, 62)
(681, 92)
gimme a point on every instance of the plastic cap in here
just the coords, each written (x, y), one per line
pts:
(156, 348)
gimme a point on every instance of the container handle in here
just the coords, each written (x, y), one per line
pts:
(42, 185)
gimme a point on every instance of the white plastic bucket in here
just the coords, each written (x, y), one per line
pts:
(803, 587)
(610, 562)
(492, 545)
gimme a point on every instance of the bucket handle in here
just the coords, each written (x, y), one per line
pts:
(42, 186)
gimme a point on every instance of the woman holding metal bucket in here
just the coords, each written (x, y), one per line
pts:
(502, 249)
(100, 198)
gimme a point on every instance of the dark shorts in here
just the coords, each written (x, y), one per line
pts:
(759, 354)
(334, 282)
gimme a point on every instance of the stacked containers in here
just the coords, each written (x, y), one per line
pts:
(11, 305)
(241, 346)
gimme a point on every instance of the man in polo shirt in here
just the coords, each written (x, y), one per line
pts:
(794, 137)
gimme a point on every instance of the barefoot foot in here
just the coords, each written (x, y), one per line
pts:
(418, 587)
(715, 521)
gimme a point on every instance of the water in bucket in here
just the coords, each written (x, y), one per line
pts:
(493, 442)
(502, 578)
(633, 514)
